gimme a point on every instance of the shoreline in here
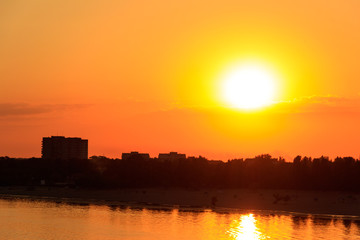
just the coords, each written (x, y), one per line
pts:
(343, 204)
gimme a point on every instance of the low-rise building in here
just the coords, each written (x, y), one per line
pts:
(135, 155)
(172, 157)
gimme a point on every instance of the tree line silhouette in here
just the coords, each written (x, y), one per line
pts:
(263, 171)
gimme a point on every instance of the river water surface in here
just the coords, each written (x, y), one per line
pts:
(38, 220)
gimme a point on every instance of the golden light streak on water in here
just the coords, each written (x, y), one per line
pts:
(245, 229)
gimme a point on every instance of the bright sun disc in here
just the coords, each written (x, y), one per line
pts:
(249, 87)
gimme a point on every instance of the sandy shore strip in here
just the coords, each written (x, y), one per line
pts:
(307, 202)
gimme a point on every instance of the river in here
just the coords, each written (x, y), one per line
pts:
(39, 220)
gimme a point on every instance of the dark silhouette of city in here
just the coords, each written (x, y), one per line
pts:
(174, 170)
(65, 163)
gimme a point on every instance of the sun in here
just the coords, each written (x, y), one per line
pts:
(248, 87)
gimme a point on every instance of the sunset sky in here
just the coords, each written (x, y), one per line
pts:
(147, 76)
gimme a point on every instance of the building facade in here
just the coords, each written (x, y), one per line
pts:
(135, 155)
(60, 147)
(172, 157)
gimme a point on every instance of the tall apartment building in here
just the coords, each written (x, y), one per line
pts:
(59, 147)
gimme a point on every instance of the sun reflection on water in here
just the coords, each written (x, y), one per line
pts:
(245, 229)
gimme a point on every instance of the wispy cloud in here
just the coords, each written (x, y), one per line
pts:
(25, 109)
(320, 104)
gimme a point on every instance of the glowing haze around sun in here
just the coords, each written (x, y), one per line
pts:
(248, 87)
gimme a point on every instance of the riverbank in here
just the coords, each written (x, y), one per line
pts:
(312, 202)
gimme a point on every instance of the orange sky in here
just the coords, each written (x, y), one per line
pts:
(144, 75)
